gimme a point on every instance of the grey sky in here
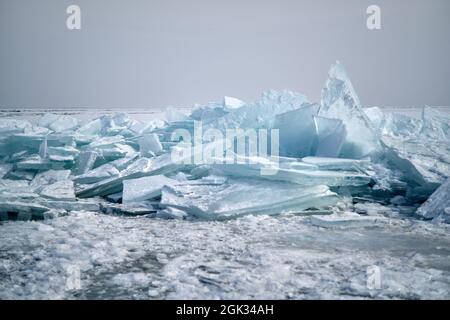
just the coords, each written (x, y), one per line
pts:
(181, 52)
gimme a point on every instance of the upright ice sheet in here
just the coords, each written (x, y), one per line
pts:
(340, 101)
(297, 131)
(331, 134)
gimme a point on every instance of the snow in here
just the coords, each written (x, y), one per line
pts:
(254, 257)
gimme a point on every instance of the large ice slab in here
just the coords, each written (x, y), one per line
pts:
(15, 186)
(129, 209)
(71, 205)
(85, 162)
(37, 163)
(60, 190)
(424, 162)
(138, 127)
(92, 128)
(49, 177)
(4, 169)
(32, 142)
(107, 125)
(297, 131)
(141, 167)
(20, 175)
(245, 196)
(111, 147)
(11, 126)
(66, 151)
(22, 207)
(338, 164)
(103, 172)
(58, 123)
(347, 220)
(306, 174)
(144, 188)
(331, 134)
(149, 145)
(437, 205)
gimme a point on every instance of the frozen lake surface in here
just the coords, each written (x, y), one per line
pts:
(260, 257)
(88, 255)
(145, 114)
(86, 114)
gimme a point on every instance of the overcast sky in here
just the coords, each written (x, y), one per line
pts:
(180, 52)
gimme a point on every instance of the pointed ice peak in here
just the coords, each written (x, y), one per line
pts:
(339, 86)
(340, 101)
(337, 71)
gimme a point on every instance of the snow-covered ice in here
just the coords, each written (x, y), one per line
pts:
(254, 257)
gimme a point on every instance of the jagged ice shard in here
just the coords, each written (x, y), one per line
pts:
(340, 101)
(438, 205)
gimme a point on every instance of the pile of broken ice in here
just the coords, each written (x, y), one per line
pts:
(333, 156)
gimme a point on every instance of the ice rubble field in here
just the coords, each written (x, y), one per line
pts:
(354, 187)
